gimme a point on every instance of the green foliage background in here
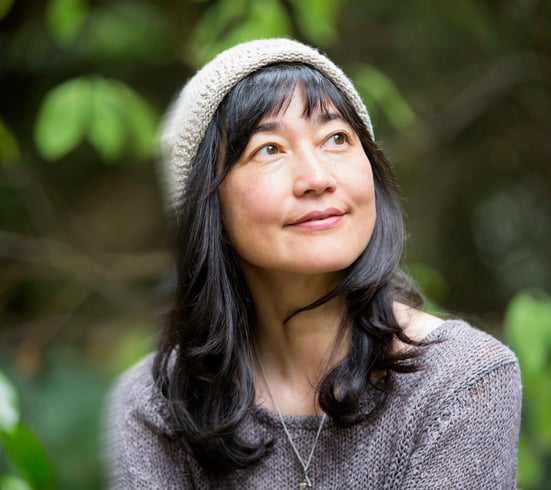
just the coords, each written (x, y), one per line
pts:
(459, 93)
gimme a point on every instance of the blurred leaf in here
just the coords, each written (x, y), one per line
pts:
(317, 19)
(376, 88)
(215, 22)
(528, 331)
(63, 118)
(267, 19)
(142, 122)
(121, 120)
(112, 116)
(540, 401)
(5, 6)
(10, 482)
(9, 149)
(9, 405)
(65, 18)
(126, 30)
(529, 465)
(65, 403)
(28, 456)
(107, 124)
(228, 22)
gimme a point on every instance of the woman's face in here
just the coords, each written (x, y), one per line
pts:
(300, 199)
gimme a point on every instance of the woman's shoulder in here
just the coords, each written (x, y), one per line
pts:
(135, 396)
(456, 354)
(460, 356)
(452, 340)
(457, 340)
(140, 449)
(464, 403)
(463, 372)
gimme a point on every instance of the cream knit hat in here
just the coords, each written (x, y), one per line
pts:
(189, 116)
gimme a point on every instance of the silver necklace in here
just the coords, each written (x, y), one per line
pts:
(306, 481)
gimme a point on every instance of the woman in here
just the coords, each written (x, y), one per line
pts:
(294, 355)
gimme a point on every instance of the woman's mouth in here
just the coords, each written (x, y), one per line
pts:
(319, 219)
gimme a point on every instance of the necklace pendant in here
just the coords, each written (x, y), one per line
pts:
(303, 485)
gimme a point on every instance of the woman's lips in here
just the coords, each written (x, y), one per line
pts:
(319, 219)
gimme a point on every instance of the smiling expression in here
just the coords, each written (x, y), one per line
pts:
(300, 199)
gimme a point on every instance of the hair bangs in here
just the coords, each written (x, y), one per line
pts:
(268, 92)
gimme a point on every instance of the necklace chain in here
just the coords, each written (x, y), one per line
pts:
(306, 483)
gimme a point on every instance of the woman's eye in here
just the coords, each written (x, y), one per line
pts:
(337, 139)
(268, 150)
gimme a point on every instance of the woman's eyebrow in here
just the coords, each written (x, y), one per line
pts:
(327, 117)
(265, 127)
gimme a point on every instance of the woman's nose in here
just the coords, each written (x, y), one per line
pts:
(313, 174)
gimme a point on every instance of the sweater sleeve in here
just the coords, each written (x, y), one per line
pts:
(139, 454)
(470, 440)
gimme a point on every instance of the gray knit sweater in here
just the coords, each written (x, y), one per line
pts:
(453, 425)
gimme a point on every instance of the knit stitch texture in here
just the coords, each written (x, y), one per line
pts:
(452, 425)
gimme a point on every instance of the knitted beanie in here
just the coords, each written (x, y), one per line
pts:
(189, 116)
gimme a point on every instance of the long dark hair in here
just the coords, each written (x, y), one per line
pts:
(204, 363)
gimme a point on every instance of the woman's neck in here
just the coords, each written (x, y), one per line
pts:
(302, 344)
(294, 350)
